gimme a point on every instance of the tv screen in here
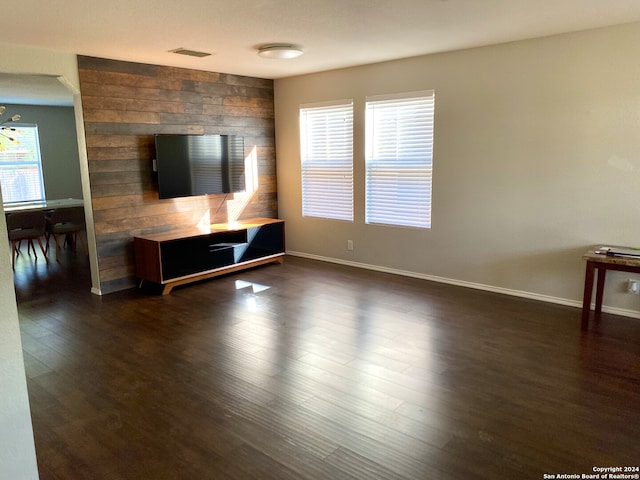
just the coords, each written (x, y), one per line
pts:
(199, 165)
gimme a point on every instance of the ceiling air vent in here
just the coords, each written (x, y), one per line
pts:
(191, 53)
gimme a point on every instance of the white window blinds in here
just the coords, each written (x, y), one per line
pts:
(326, 149)
(399, 159)
(20, 166)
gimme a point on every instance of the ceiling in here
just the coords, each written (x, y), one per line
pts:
(33, 90)
(333, 33)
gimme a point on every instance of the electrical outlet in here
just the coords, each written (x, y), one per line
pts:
(350, 245)
(633, 286)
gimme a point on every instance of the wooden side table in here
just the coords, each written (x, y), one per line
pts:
(602, 262)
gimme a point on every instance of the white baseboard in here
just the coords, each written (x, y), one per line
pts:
(461, 283)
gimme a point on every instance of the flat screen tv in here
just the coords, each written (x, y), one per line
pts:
(190, 165)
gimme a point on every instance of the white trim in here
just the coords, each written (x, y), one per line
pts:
(400, 96)
(328, 103)
(462, 283)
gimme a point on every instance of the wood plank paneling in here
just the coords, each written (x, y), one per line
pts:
(124, 105)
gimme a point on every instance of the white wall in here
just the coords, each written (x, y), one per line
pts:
(536, 157)
(17, 452)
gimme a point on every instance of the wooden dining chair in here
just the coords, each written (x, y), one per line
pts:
(68, 223)
(27, 226)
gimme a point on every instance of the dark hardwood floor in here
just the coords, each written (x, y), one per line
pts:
(310, 370)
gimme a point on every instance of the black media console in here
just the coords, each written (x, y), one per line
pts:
(180, 257)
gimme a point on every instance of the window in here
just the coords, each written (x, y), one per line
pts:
(20, 166)
(399, 158)
(326, 151)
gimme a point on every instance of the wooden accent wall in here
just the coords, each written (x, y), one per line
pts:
(124, 105)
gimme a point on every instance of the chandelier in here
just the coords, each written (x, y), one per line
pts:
(6, 131)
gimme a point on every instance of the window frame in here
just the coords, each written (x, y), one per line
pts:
(327, 183)
(35, 183)
(409, 131)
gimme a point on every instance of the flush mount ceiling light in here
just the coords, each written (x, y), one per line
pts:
(280, 51)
